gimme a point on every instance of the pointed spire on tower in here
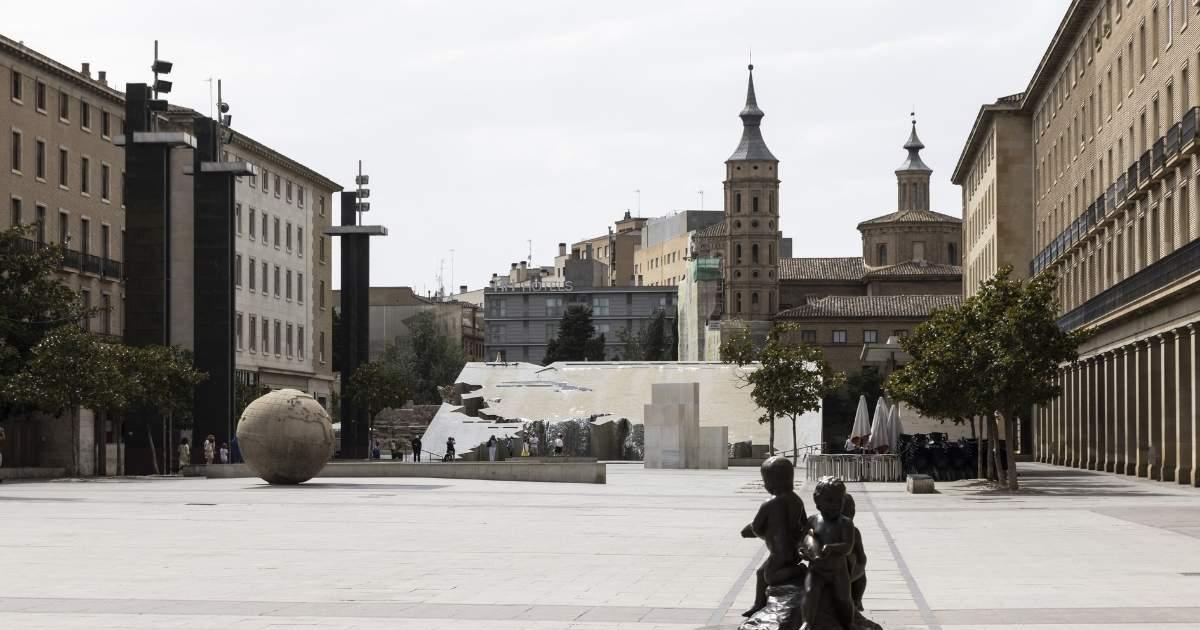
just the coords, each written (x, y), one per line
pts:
(914, 146)
(752, 146)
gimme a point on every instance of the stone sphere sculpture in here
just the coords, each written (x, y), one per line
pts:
(285, 437)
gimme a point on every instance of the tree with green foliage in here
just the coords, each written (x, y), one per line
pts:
(378, 385)
(738, 348)
(577, 339)
(428, 357)
(655, 339)
(791, 380)
(631, 345)
(839, 407)
(998, 353)
(163, 378)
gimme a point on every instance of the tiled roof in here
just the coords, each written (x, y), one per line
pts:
(882, 306)
(716, 229)
(914, 268)
(821, 268)
(912, 216)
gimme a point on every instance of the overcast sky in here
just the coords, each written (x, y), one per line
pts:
(485, 125)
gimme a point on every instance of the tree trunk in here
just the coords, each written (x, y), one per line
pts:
(980, 455)
(1001, 471)
(991, 447)
(771, 444)
(795, 446)
(74, 418)
(1010, 425)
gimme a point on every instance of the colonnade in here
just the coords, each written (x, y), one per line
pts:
(1130, 410)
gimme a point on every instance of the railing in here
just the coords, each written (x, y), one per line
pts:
(91, 264)
(1144, 169)
(112, 269)
(71, 259)
(1173, 135)
(856, 467)
(1110, 198)
(1175, 266)
(1158, 154)
(1122, 193)
(1188, 127)
(1131, 177)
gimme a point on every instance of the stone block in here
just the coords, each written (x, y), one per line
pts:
(714, 448)
(920, 484)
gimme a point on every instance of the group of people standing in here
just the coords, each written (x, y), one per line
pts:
(213, 454)
(531, 446)
(397, 447)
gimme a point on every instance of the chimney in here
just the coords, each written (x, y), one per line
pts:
(462, 288)
(86, 70)
(562, 249)
(514, 265)
(103, 77)
(524, 265)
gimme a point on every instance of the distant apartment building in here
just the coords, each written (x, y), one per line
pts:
(63, 173)
(662, 258)
(616, 249)
(283, 323)
(520, 321)
(392, 309)
(1109, 126)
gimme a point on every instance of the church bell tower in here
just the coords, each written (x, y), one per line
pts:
(751, 264)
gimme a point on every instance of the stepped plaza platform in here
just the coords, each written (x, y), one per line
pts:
(651, 549)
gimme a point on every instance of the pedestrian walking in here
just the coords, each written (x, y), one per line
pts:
(185, 454)
(558, 445)
(210, 449)
(394, 448)
(533, 445)
(416, 447)
(449, 449)
(491, 447)
(223, 455)
(375, 453)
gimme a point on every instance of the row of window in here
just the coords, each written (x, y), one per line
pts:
(18, 164)
(81, 241)
(283, 187)
(271, 229)
(555, 306)
(104, 314)
(755, 307)
(842, 336)
(266, 336)
(737, 202)
(17, 94)
(498, 333)
(283, 280)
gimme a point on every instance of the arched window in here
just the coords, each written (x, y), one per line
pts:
(739, 303)
(951, 254)
(737, 253)
(754, 204)
(881, 253)
(770, 301)
(770, 253)
(754, 302)
(737, 206)
(754, 253)
(771, 202)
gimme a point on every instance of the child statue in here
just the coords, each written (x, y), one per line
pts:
(828, 545)
(781, 523)
(857, 559)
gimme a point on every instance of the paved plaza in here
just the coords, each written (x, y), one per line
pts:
(651, 549)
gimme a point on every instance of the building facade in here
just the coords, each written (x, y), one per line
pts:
(1113, 125)
(995, 172)
(520, 321)
(662, 259)
(617, 249)
(283, 326)
(63, 172)
(391, 308)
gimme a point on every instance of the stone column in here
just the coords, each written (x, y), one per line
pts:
(1070, 454)
(1056, 418)
(1102, 363)
(1114, 423)
(1151, 442)
(1118, 379)
(1194, 381)
(1167, 408)
(1140, 423)
(1088, 428)
(1185, 394)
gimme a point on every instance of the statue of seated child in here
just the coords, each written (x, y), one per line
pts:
(780, 522)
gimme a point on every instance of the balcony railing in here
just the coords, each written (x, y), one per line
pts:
(1158, 155)
(1173, 267)
(71, 259)
(1144, 169)
(91, 264)
(1110, 198)
(1173, 135)
(1122, 193)
(112, 269)
(1188, 128)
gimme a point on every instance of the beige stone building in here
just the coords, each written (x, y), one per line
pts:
(662, 259)
(63, 173)
(995, 172)
(1112, 127)
(616, 249)
(391, 308)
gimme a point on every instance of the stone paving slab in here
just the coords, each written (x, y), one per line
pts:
(651, 549)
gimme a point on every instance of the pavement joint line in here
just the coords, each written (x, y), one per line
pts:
(731, 595)
(927, 615)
